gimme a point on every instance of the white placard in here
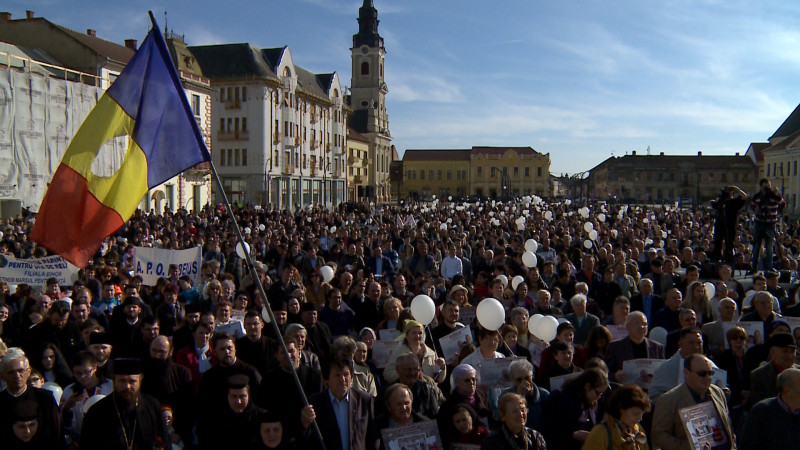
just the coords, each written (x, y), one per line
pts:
(640, 371)
(495, 373)
(36, 271)
(754, 330)
(558, 382)
(451, 344)
(381, 351)
(153, 263)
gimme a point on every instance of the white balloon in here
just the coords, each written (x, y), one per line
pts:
(567, 202)
(711, 290)
(333, 229)
(504, 279)
(91, 401)
(531, 245)
(262, 227)
(327, 273)
(659, 335)
(548, 215)
(546, 328)
(247, 230)
(242, 251)
(265, 314)
(529, 259)
(449, 198)
(533, 322)
(588, 226)
(57, 391)
(593, 235)
(491, 314)
(423, 309)
(587, 243)
(516, 281)
(601, 217)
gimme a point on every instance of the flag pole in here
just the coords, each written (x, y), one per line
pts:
(252, 270)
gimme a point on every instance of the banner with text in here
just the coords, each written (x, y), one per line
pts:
(153, 263)
(36, 271)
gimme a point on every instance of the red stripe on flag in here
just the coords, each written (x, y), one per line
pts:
(71, 221)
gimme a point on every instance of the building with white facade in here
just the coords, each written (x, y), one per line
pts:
(279, 130)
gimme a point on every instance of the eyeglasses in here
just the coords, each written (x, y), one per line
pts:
(705, 373)
(521, 379)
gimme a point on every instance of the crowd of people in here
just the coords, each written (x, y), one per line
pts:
(109, 362)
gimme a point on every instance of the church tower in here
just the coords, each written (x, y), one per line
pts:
(368, 100)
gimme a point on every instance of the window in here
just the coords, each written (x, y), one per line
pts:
(222, 94)
(230, 124)
(222, 125)
(222, 157)
(527, 171)
(236, 124)
(244, 93)
(430, 175)
(244, 156)
(538, 171)
(439, 175)
(516, 171)
(421, 174)
(795, 168)
(364, 68)
(236, 93)
(479, 170)
(236, 157)
(195, 104)
(767, 169)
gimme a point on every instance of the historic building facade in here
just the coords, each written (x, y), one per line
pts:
(491, 172)
(662, 178)
(280, 130)
(368, 92)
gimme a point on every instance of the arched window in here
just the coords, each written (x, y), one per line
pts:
(364, 68)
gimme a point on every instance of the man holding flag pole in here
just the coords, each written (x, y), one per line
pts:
(147, 105)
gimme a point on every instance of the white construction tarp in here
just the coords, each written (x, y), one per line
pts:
(39, 115)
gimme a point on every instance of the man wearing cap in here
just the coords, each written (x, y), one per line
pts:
(100, 347)
(774, 423)
(124, 329)
(15, 371)
(782, 349)
(126, 419)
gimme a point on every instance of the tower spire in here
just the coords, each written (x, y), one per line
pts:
(367, 27)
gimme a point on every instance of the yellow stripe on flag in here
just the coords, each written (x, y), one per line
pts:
(123, 190)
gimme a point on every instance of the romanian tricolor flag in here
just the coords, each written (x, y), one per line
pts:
(146, 103)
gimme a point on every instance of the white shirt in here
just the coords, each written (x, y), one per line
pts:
(451, 266)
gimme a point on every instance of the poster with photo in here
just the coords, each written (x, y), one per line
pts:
(466, 315)
(451, 344)
(703, 426)
(754, 330)
(618, 331)
(640, 371)
(416, 436)
(381, 350)
(558, 382)
(388, 334)
(495, 373)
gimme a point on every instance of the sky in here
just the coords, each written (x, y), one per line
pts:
(581, 80)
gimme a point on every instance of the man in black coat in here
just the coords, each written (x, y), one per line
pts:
(254, 348)
(58, 330)
(170, 383)
(646, 301)
(15, 370)
(126, 418)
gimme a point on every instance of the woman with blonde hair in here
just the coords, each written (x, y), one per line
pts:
(413, 340)
(698, 301)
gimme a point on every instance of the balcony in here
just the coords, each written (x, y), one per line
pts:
(288, 169)
(313, 171)
(357, 179)
(276, 138)
(232, 104)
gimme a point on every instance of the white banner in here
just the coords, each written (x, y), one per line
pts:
(153, 263)
(36, 271)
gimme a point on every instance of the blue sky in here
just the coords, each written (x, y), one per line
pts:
(577, 79)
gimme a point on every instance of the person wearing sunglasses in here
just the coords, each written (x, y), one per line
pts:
(668, 428)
